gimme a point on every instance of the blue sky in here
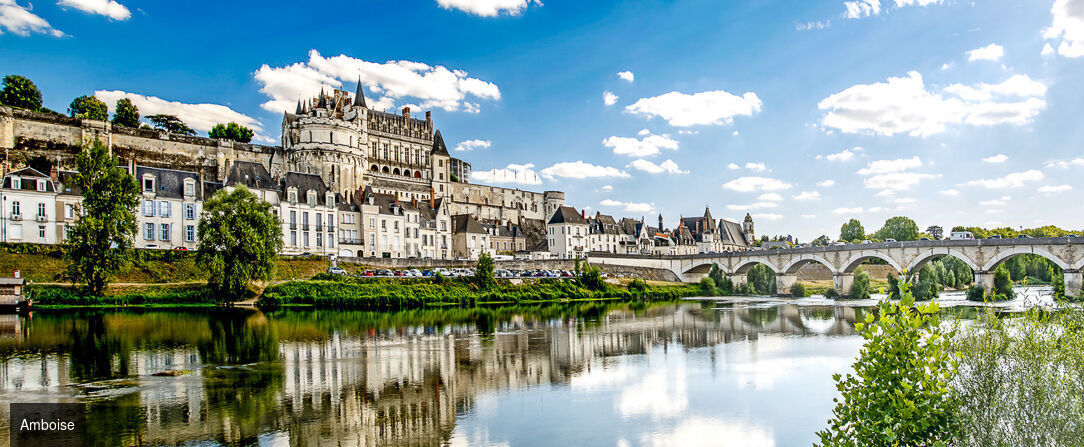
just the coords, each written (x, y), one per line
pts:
(803, 113)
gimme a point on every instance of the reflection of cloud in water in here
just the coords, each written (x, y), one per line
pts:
(762, 374)
(660, 394)
(598, 376)
(478, 437)
(703, 431)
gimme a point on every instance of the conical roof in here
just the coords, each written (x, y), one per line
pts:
(359, 95)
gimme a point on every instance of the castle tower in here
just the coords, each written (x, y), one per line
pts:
(554, 200)
(747, 228)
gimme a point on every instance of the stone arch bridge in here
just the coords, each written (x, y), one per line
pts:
(982, 255)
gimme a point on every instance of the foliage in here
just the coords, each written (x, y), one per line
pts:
(590, 278)
(483, 271)
(1002, 285)
(231, 131)
(831, 293)
(170, 123)
(707, 285)
(899, 228)
(893, 287)
(761, 279)
(1009, 233)
(88, 107)
(821, 241)
(637, 286)
(852, 231)
(723, 285)
(862, 285)
(899, 394)
(239, 239)
(454, 178)
(66, 296)
(1033, 268)
(21, 93)
(98, 244)
(925, 289)
(936, 232)
(798, 290)
(125, 114)
(976, 292)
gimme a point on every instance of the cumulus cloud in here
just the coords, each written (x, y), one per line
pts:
(905, 105)
(201, 117)
(886, 166)
(1067, 28)
(512, 174)
(999, 158)
(705, 108)
(108, 8)
(897, 181)
(1079, 161)
(949, 192)
(471, 145)
(626, 75)
(733, 167)
(581, 170)
(771, 197)
(862, 8)
(826, 183)
(629, 207)
(808, 195)
(995, 202)
(811, 25)
(756, 167)
(1013, 180)
(751, 184)
(990, 52)
(20, 21)
(1051, 189)
(839, 156)
(430, 87)
(607, 188)
(668, 166)
(609, 98)
(647, 146)
(488, 8)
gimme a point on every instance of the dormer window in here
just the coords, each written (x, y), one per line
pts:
(312, 198)
(291, 196)
(330, 200)
(148, 183)
(41, 185)
(189, 188)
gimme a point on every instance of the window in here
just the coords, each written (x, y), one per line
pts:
(372, 223)
(396, 226)
(148, 208)
(372, 240)
(190, 211)
(15, 208)
(41, 210)
(148, 231)
(41, 185)
(293, 238)
(16, 231)
(189, 188)
(190, 233)
(148, 184)
(319, 239)
(383, 224)
(330, 220)
(383, 241)
(312, 198)
(69, 211)
(331, 240)
(319, 220)
(41, 231)
(293, 217)
(305, 220)
(292, 196)
(305, 238)
(163, 208)
(444, 226)
(164, 236)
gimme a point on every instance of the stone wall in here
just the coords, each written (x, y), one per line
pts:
(549, 264)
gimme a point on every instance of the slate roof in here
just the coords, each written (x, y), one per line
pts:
(28, 180)
(252, 175)
(732, 233)
(169, 183)
(386, 203)
(438, 144)
(304, 183)
(359, 95)
(464, 223)
(567, 214)
(603, 224)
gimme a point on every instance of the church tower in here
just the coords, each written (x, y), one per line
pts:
(747, 228)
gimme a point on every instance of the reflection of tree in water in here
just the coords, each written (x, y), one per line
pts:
(94, 353)
(118, 421)
(764, 315)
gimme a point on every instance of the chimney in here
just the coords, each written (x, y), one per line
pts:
(16, 274)
(202, 193)
(583, 214)
(54, 172)
(432, 198)
(428, 118)
(406, 112)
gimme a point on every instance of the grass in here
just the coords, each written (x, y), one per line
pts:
(50, 296)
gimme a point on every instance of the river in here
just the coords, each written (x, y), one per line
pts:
(726, 371)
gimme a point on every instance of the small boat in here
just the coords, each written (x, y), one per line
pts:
(11, 294)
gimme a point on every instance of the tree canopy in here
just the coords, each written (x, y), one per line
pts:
(170, 123)
(899, 228)
(88, 107)
(821, 240)
(20, 92)
(231, 131)
(852, 231)
(239, 240)
(125, 113)
(98, 244)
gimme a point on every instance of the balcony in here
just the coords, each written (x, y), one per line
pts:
(330, 228)
(349, 241)
(42, 218)
(319, 227)
(16, 216)
(293, 226)
(304, 227)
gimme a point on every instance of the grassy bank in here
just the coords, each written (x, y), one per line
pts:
(65, 296)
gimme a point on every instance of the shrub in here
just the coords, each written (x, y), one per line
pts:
(976, 292)
(925, 290)
(860, 289)
(483, 273)
(798, 290)
(893, 287)
(590, 277)
(637, 286)
(1002, 285)
(831, 293)
(898, 394)
(725, 287)
(707, 285)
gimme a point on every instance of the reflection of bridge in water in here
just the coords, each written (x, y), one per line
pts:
(402, 386)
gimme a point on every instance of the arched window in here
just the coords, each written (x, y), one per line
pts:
(396, 171)
(374, 169)
(417, 174)
(385, 170)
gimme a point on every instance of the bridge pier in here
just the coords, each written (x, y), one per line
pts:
(986, 280)
(842, 282)
(1074, 280)
(738, 280)
(784, 282)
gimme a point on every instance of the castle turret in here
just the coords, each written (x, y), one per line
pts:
(359, 95)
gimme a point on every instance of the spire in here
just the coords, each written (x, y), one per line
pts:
(298, 112)
(359, 95)
(323, 100)
(438, 144)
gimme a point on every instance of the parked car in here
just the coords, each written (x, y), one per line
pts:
(994, 236)
(151, 246)
(180, 248)
(961, 236)
(1023, 236)
(924, 239)
(839, 244)
(1071, 235)
(890, 240)
(336, 271)
(867, 241)
(367, 273)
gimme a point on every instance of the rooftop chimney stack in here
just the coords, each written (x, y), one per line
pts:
(406, 112)
(429, 118)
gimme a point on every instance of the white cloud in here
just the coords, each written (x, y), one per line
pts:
(840, 156)
(108, 8)
(862, 8)
(705, 108)
(1051, 189)
(627, 75)
(607, 188)
(949, 192)
(995, 202)
(826, 183)
(668, 166)
(809, 216)
(581, 170)
(757, 167)
(811, 25)
(20, 21)
(629, 207)
(808, 195)
(609, 98)
(895, 182)
(1079, 161)
(887, 166)
(512, 174)
(733, 167)
(905, 105)
(647, 146)
(767, 216)
(999, 158)
(752, 206)
(1014, 180)
(1067, 28)
(1047, 49)
(771, 197)
(431, 86)
(990, 52)
(488, 8)
(201, 117)
(471, 145)
(947, 65)
(855, 210)
(751, 184)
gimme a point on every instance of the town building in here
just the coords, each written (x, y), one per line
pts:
(28, 200)
(567, 233)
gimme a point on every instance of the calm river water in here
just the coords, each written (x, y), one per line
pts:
(714, 372)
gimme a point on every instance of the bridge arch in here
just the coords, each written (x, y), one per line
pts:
(934, 253)
(704, 269)
(747, 264)
(859, 258)
(1004, 255)
(794, 265)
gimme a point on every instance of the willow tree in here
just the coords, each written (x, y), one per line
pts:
(239, 239)
(99, 243)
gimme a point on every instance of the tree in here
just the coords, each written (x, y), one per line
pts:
(899, 228)
(1002, 285)
(936, 232)
(899, 394)
(707, 286)
(99, 243)
(821, 241)
(20, 92)
(862, 285)
(126, 114)
(88, 107)
(761, 279)
(170, 123)
(231, 131)
(239, 240)
(483, 272)
(716, 274)
(852, 231)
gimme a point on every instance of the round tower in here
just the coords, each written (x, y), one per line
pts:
(747, 228)
(554, 200)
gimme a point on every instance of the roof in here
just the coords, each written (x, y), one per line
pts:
(12, 281)
(385, 203)
(252, 175)
(502, 230)
(305, 183)
(438, 144)
(603, 224)
(567, 214)
(28, 180)
(732, 233)
(359, 95)
(169, 182)
(67, 184)
(464, 223)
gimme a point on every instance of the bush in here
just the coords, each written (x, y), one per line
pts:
(798, 290)
(725, 287)
(761, 280)
(637, 286)
(893, 287)
(831, 293)
(898, 394)
(976, 293)
(925, 290)
(707, 286)
(860, 289)
(590, 277)
(1002, 285)
(483, 273)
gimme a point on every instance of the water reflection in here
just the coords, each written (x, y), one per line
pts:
(670, 374)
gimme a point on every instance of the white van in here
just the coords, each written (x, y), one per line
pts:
(961, 236)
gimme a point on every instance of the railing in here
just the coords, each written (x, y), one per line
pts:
(16, 216)
(319, 227)
(350, 241)
(293, 226)
(330, 228)
(42, 218)
(304, 227)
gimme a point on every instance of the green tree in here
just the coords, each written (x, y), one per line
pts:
(231, 131)
(1002, 285)
(862, 285)
(126, 114)
(798, 290)
(98, 244)
(893, 287)
(821, 241)
(170, 123)
(88, 107)
(483, 272)
(761, 280)
(239, 239)
(21, 93)
(716, 274)
(899, 394)
(852, 231)
(899, 228)
(707, 286)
